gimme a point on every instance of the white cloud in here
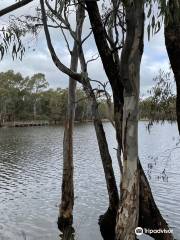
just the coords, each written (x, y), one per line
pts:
(154, 58)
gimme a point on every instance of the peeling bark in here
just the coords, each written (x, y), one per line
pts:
(113, 73)
(67, 197)
(128, 214)
(107, 221)
(112, 70)
(68, 234)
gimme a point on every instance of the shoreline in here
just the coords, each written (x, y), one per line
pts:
(39, 123)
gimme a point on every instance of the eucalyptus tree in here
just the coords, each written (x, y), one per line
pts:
(112, 71)
(12, 92)
(35, 85)
(160, 105)
(86, 83)
(67, 192)
(125, 88)
(67, 196)
(136, 201)
(18, 94)
(168, 14)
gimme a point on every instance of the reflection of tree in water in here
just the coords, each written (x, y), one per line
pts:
(68, 234)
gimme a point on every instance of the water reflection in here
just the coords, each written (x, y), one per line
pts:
(68, 234)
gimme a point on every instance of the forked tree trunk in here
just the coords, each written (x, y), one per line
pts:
(142, 202)
(172, 42)
(111, 69)
(67, 197)
(114, 76)
(128, 214)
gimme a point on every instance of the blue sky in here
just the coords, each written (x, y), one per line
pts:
(154, 57)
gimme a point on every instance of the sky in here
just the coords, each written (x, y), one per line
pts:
(37, 57)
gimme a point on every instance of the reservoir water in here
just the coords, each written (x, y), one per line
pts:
(31, 171)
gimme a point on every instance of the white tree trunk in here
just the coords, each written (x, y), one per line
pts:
(128, 214)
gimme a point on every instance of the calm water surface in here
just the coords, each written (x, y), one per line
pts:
(31, 170)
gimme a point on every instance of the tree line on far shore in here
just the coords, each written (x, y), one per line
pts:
(161, 103)
(29, 98)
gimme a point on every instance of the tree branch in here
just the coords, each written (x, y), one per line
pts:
(67, 43)
(60, 18)
(57, 62)
(86, 37)
(110, 66)
(93, 59)
(14, 7)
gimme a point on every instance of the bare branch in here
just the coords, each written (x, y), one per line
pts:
(59, 25)
(50, 26)
(93, 59)
(60, 18)
(86, 37)
(65, 38)
(57, 62)
(56, 4)
(14, 7)
(92, 80)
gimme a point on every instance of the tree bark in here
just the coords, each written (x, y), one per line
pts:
(14, 7)
(110, 66)
(67, 198)
(128, 214)
(172, 42)
(107, 221)
(106, 158)
(113, 73)
(100, 133)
